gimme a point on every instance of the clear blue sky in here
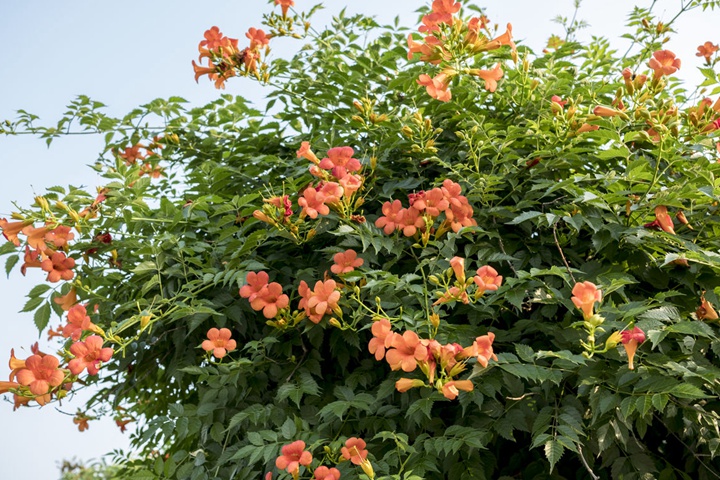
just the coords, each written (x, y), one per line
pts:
(128, 53)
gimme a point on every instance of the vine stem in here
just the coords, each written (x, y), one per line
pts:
(562, 254)
(585, 464)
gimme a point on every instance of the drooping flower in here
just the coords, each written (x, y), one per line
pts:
(32, 259)
(437, 87)
(405, 352)
(89, 354)
(307, 153)
(487, 278)
(451, 389)
(36, 237)
(325, 473)
(482, 349)
(292, 456)
(705, 310)
(219, 342)
(665, 220)
(458, 266)
(284, 5)
(585, 294)
(382, 338)
(59, 267)
(41, 373)
(346, 262)
(68, 300)
(664, 62)
(81, 420)
(78, 322)
(630, 340)
(10, 230)
(354, 450)
(706, 50)
(490, 77)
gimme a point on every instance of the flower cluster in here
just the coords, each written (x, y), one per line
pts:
(440, 363)
(426, 207)
(225, 59)
(449, 42)
(293, 456)
(336, 190)
(486, 279)
(262, 295)
(45, 247)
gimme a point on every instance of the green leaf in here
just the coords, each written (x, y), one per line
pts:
(42, 317)
(11, 261)
(524, 216)
(553, 451)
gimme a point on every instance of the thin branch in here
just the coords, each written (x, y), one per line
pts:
(557, 244)
(585, 464)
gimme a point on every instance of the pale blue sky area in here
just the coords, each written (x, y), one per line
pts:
(128, 53)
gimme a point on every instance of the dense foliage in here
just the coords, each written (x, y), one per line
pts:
(445, 293)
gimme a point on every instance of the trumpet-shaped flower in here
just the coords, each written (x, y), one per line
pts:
(482, 349)
(663, 62)
(354, 450)
(320, 301)
(325, 473)
(10, 230)
(285, 5)
(292, 456)
(382, 338)
(36, 237)
(255, 285)
(59, 267)
(490, 77)
(437, 87)
(585, 294)
(89, 354)
(41, 373)
(258, 38)
(405, 384)
(59, 236)
(68, 300)
(451, 389)
(270, 300)
(78, 322)
(630, 340)
(219, 342)
(432, 202)
(313, 203)
(706, 310)
(405, 352)
(392, 216)
(664, 220)
(32, 259)
(340, 157)
(487, 278)
(706, 50)
(346, 262)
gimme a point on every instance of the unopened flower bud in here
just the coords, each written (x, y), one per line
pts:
(357, 119)
(613, 340)
(358, 106)
(42, 203)
(435, 320)
(335, 322)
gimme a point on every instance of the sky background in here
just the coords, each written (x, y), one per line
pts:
(127, 53)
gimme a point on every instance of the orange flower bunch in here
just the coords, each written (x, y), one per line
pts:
(425, 208)
(262, 295)
(407, 352)
(321, 301)
(40, 376)
(448, 39)
(224, 57)
(487, 278)
(43, 247)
